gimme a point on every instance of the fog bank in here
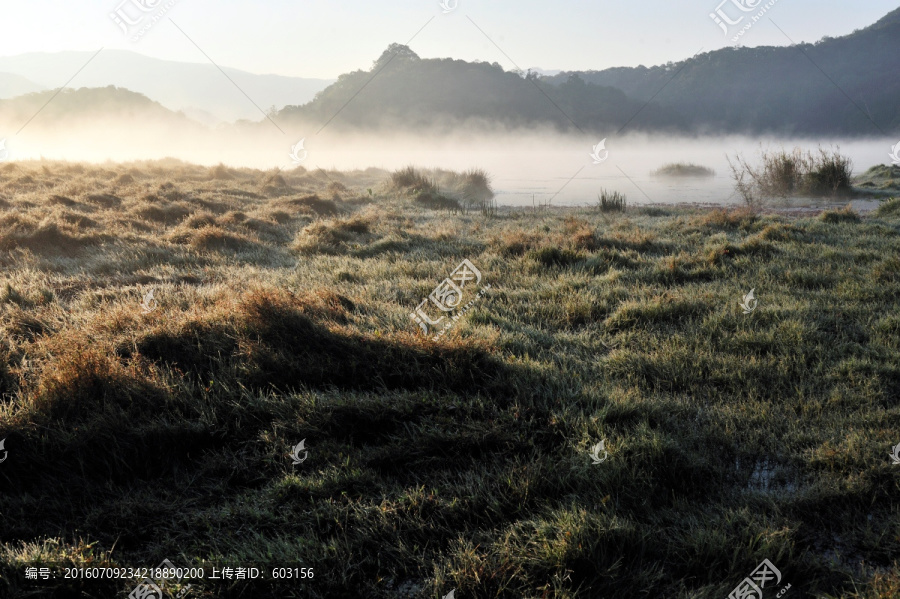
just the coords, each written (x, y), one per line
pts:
(526, 166)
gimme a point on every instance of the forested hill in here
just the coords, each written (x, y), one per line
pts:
(804, 89)
(402, 90)
(847, 85)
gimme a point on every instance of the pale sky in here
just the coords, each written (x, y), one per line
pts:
(324, 38)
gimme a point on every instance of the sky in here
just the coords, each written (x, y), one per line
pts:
(325, 38)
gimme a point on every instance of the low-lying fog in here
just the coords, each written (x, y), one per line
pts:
(525, 166)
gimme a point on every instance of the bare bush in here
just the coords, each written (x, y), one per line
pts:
(783, 174)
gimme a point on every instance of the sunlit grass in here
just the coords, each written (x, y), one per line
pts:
(284, 314)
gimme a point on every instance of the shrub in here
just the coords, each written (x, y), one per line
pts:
(471, 189)
(785, 174)
(682, 169)
(474, 186)
(828, 174)
(411, 179)
(611, 202)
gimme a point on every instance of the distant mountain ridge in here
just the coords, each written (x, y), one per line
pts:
(837, 86)
(12, 85)
(799, 89)
(192, 87)
(846, 85)
(109, 105)
(404, 91)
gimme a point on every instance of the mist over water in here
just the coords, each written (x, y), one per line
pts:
(531, 168)
(526, 166)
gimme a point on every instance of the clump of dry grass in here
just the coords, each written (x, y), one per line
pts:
(44, 237)
(198, 220)
(233, 217)
(205, 236)
(169, 215)
(516, 243)
(335, 187)
(684, 169)
(783, 174)
(220, 173)
(334, 236)
(77, 220)
(104, 199)
(78, 379)
(57, 200)
(579, 234)
(439, 189)
(274, 185)
(436, 201)
(842, 215)
(779, 232)
(611, 201)
(169, 191)
(411, 179)
(739, 218)
(310, 204)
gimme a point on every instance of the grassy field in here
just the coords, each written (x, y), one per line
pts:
(140, 429)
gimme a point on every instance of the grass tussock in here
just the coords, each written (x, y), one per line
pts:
(46, 237)
(684, 169)
(446, 190)
(889, 207)
(611, 202)
(743, 219)
(220, 172)
(883, 178)
(842, 215)
(334, 236)
(310, 205)
(435, 201)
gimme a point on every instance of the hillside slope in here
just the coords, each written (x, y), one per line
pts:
(802, 89)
